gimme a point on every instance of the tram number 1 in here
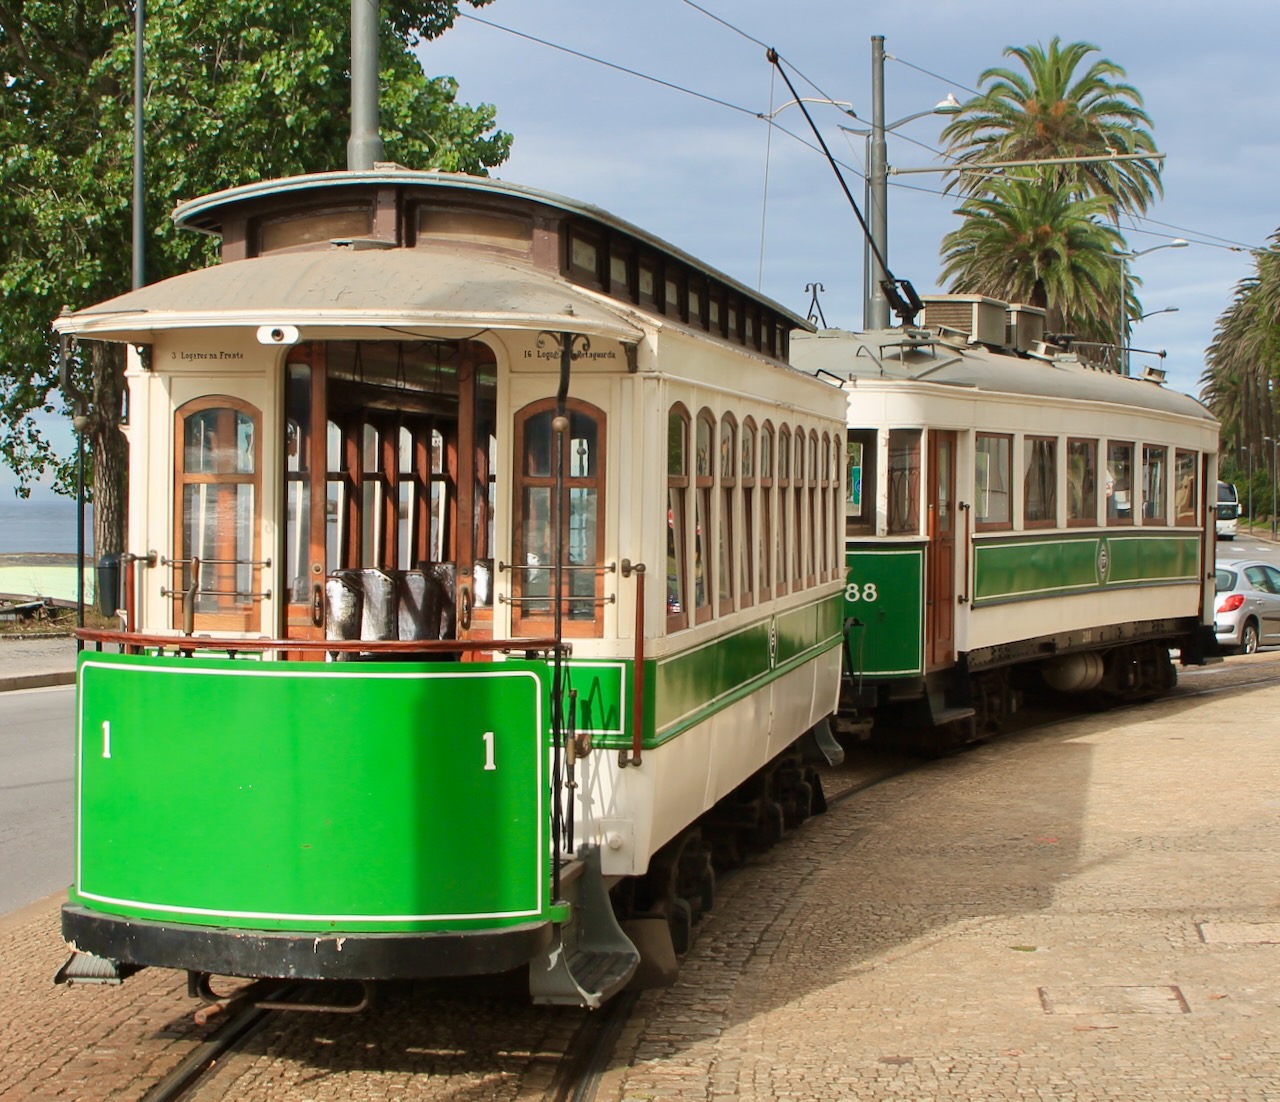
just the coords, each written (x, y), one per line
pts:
(853, 592)
(489, 762)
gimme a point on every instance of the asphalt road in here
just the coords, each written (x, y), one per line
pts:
(36, 772)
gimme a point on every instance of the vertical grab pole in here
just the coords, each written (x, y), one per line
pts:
(637, 668)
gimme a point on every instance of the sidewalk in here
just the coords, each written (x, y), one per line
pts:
(32, 662)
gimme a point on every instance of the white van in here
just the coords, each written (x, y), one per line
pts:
(1228, 510)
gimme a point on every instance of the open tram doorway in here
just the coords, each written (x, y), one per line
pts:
(390, 477)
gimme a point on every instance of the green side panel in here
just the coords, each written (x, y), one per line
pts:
(387, 796)
(1029, 568)
(884, 596)
(1025, 568)
(1139, 559)
(686, 683)
(692, 685)
(604, 697)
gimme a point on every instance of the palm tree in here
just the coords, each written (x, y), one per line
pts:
(1052, 111)
(1244, 359)
(1027, 241)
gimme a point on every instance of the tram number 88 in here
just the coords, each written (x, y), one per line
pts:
(853, 592)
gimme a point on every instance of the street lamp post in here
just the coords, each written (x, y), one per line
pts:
(875, 307)
(1248, 456)
(1122, 319)
(1274, 445)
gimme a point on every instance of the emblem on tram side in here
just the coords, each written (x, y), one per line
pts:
(1104, 561)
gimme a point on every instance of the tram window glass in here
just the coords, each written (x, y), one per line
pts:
(992, 481)
(728, 549)
(904, 482)
(647, 282)
(370, 495)
(860, 481)
(1119, 484)
(534, 552)
(704, 480)
(1186, 499)
(439, 498)
(677, 517)
(750, 522)
(298, 479)
(767, 527)
(1082, 482)
(798, 543)
(335, 494)
(1040, 482)
(1155, 483)
(217, 491)
(824, 546)
(782, 576)
(813, 528)
(493, 231)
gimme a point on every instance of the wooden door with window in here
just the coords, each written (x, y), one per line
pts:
(940, 584)
(305, 464)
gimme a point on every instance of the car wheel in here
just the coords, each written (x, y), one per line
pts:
(1249, 638)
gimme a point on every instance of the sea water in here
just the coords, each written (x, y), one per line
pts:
(27, 526)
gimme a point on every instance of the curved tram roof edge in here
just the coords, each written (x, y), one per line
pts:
(391, 288)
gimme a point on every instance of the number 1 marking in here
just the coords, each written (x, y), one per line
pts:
(488, 751)
(106, 738)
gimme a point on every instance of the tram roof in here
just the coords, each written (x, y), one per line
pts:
(358, 288)
(207, 213)
(895, 355)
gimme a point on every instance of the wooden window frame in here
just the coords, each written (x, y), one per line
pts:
(250, 618)
(766, 467)
(678, 520)
(1161, 518)
(748, 463)
(782, 584)
(1027, 454)
(1118, 521)
(704, 496)
(1006, 524)
(727, 529)
(538, 623)
(1091, 520)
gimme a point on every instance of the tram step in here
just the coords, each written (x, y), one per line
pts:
(87, 968)
(947, 714)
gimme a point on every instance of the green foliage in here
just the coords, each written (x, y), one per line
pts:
(1052, 110)
(1048, 234)
(1024, 242)
(1243, 362)
(236, 90)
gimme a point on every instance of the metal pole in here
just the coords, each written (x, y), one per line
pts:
(879, 182)
(1249, 452)
(866, 244)
(364, 147)
(1274, 445)
(1122, 354)
(139, 214)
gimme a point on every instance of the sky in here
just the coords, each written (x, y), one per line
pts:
(697, 174)
(750, 199)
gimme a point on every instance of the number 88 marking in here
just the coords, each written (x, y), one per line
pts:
(854, 592)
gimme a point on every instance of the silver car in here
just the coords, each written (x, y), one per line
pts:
(1247, 605)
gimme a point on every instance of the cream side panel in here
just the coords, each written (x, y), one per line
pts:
(190, 365)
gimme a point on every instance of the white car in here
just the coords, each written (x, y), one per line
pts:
(1247, 605)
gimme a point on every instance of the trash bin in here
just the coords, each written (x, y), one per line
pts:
(109, 584)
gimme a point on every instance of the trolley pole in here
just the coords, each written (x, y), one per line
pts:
(878, 182)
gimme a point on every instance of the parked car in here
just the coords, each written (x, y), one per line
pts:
(1247, 609)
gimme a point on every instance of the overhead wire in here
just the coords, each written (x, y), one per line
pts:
(1207, 239)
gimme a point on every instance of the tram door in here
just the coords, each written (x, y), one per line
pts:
(940, 584)
(305, 555)
(390, 461)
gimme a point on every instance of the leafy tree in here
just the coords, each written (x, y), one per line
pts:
(1051, 110)
(1025, 242)
(237, 90)
(1244, 360)
(1042, 231)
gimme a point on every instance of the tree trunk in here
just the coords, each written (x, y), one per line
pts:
(110, 449)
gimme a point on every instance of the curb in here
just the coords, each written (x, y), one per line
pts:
(37, 680)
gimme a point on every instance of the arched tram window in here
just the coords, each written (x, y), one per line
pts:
(217, 487)
(535, 521)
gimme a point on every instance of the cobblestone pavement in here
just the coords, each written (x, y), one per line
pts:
(1089, 911)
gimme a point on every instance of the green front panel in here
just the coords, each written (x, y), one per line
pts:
(310, 795)
(1022, 568)
(884, 597)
